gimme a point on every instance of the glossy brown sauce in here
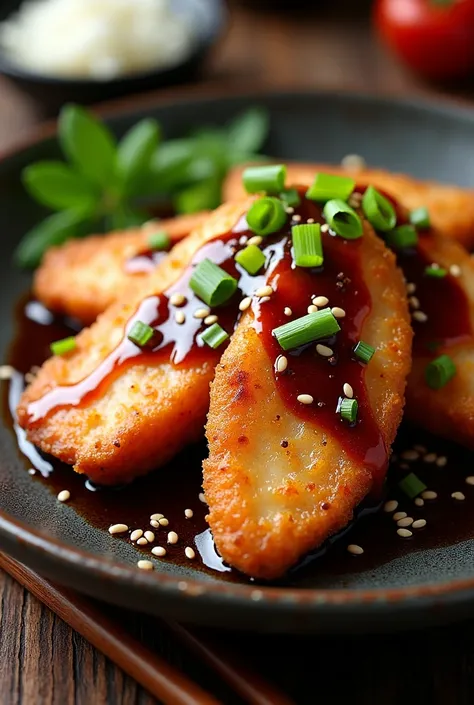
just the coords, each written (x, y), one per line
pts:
(144, 262)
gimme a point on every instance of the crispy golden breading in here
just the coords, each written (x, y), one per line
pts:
(82, 277)
(147, 413)
(266, 501)
(451, 207)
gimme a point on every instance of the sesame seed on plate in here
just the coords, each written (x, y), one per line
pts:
(410, 455)
(209, 320)
(264, 299)
(414, 302)
(310, 221)
(188, 513)
(399, 515)
(142, 541)
(297, 218)
(324, 351)
(404, 533)
(290, 210)
(158, 551)
(281, 363)
(172, 537)
(245, 303)
(312, 308)
(155, 524)
(255, 240)
(163, 521)
(305, 398)
(157, 517)
(429, 494)
(118, 529)
(31, 471)
(6, 372)
(320, 300)
(150, 536)
(355, 550)
(419, 316)
(460, 496)
(441, 461)
(430, 458)
(353, 162)
(287, 311)
(201, 313)
(178, 299)
(179, 317)
(325, 228)
(390, 506)
(470, 480)
(145, 565)
(135, 535)
(419, 524)
(406, 521)
(419, 502)
(264, 291)
(202, 497)
(338, 312)
(455, 270)
(348, 391)
(243, 240)
(411, 288)
(189, 553)
(64, 495)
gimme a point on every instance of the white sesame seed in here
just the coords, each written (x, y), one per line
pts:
(460, 496)
(150, 536)
(157, 517)
(6, 372)
(202, 498)
(255, 240)
(390, 506)
(312, 309)
(324, 351)
(290, 210)
(297, 218)
(310, 221)
(441, 462)
(399, 515)
(455, 270)
(245, 303)
(287, 311)
(209, 320)
(31, 471)
(158, 551)
(281, 363)
(142, 541)
(354, 202)
(305, 398)
(179, 317)
(410, 455)
(338, 312)
(264, 299)
(419, 524)
(470, 480)
(430, 458)
(406, 521)
(419, 316)
(155, 524)
(172, 537)
(189, 553)
(414, 302)
(188, 513)
(163, 521)
(404, 533)
(411, 288)
(320, 300)
(64, 495)
(201, 313)
(264, 291)
(243, 240)
(325, 228)
(429, 494)
(177, 299)
(118, 529)
(348, 391)
(145, 565)
(353, 162)
(135, 535)
(419, 502)
(355, 550)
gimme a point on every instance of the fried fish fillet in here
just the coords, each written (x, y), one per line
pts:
(147, 411)
(83, 277)
(451, 207)
(270, 502)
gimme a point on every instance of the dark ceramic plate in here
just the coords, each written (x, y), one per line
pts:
(395, 583)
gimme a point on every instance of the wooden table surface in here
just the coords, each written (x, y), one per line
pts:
(42, 661)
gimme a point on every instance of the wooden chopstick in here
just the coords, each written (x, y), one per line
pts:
(147, 668)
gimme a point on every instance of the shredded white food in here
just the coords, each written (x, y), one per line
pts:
(99, 39)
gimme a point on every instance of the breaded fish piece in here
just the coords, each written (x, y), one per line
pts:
(278, 486)
(83, 277)
(451, 207)
(148, 410)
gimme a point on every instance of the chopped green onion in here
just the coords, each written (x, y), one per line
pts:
(140, 333)
(342, 219)
(270, 178)
(412, 486)
(364, 351)
(436, 272)
(60, 347)
(402, 237)
(214, 336)
(327, 186)
(378, 210)
(307, 245)
(420, 218)
(212, 284)
(251, 259)
(159, 241)
(440, 371)
(348, 409)
(266, 216)
(290, 197)
(313, 326)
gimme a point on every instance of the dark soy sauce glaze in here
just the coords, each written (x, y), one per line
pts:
(143, 262)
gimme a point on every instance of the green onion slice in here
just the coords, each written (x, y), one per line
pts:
(307, 245)
(412, 486)
(266, 216)
(420, 218)
(140, 333)
(342, 219)
(251, 259)
(212, 284)
(378, 210)
(270, 178)
(348, 409)
(364, 351)
(327, 186)
(313, 326)
(402, 237)
(436, 272)
(61, 347)
(290, 197)
(159, 241)
(214, 336)
(440, 371)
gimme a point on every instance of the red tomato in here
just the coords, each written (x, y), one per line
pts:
(434, 37)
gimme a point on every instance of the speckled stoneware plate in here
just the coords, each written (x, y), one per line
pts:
(395, 583)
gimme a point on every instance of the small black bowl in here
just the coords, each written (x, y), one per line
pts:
(208, 18)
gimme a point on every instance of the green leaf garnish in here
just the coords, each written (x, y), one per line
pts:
(54, 230)
(135, 151)
(58, 186)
